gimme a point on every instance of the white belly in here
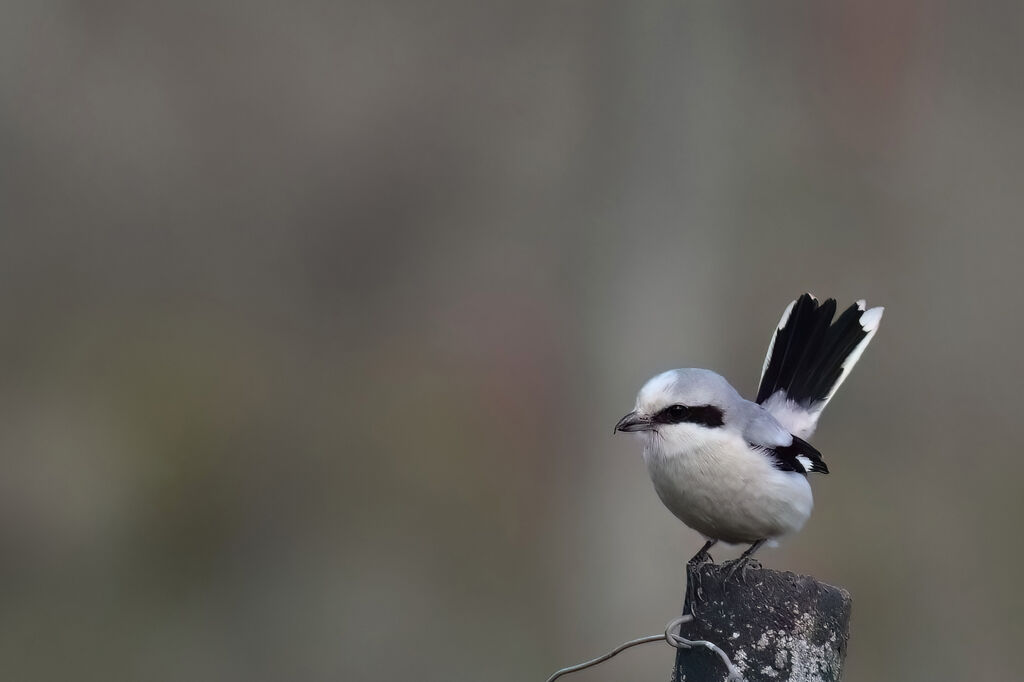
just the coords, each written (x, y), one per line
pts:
(726, 491)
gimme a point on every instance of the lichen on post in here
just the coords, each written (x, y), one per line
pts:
(775, 626)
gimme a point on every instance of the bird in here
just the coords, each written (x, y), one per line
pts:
(736, 470)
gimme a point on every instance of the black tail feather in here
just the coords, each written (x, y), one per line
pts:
(809, 350)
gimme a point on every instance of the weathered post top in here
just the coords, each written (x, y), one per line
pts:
(775, 627)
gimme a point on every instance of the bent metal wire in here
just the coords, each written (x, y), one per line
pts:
(672, 638)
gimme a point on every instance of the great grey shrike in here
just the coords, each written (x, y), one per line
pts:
(735, 470)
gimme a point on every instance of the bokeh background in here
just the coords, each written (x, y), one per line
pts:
(317, 317)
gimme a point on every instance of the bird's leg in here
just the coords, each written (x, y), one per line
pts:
(741, 563)
(702, 556)
(693, 579)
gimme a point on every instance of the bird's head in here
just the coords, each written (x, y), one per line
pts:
(681, 405)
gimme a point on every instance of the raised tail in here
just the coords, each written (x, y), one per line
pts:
(809, 358)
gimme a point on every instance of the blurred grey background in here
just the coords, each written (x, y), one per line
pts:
(317, 317)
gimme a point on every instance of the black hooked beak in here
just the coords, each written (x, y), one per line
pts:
(634, 422)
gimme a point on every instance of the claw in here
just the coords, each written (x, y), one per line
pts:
(694, 588)
(701, 558)
(733, 567)
(741, 565)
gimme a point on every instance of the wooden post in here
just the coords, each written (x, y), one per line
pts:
(775, 627)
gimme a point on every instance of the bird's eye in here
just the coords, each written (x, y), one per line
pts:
(677, 412)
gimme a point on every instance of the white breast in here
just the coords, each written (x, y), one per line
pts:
(716, 484)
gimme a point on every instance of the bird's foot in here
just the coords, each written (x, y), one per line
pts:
(701, 557)
(741, 563)
(740, 566)
(694, 587)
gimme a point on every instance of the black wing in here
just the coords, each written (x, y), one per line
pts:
(800, 456)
